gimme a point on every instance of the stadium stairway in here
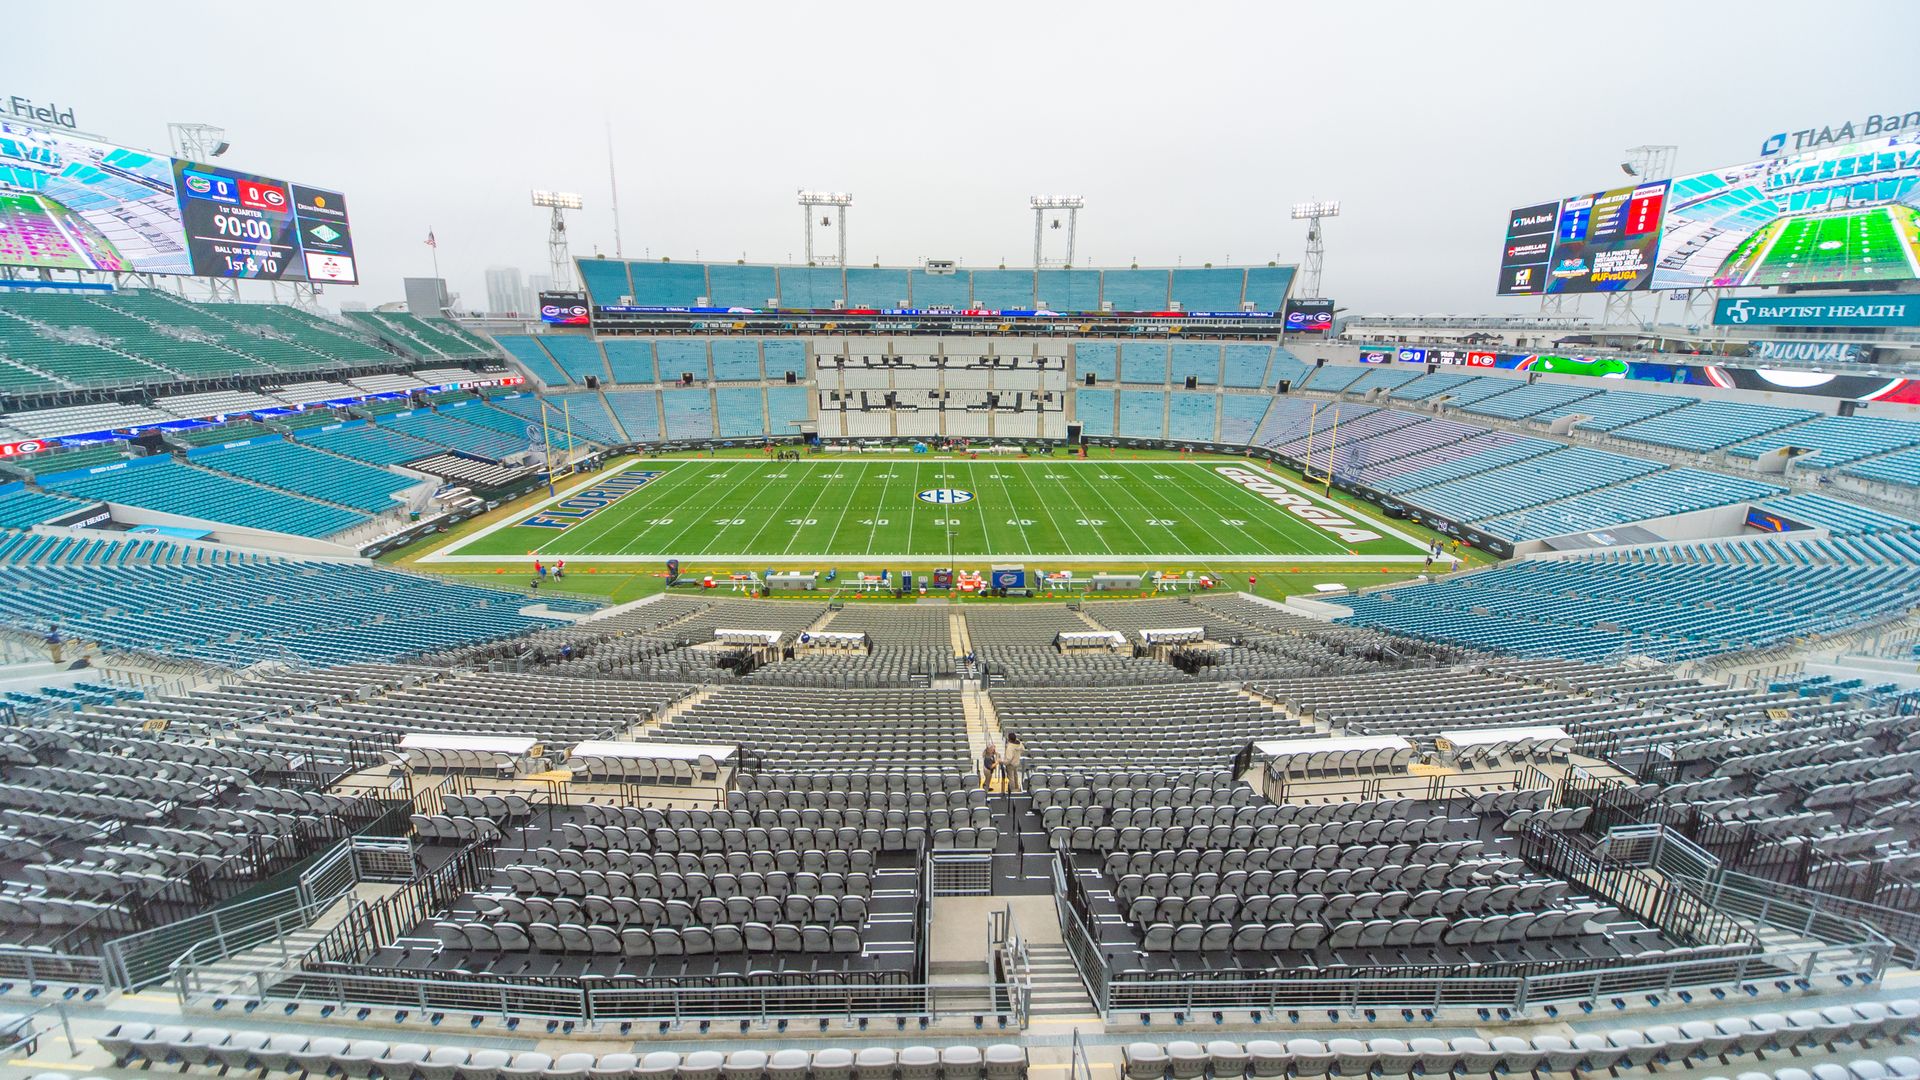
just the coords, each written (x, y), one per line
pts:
(983, 723)
(236, 975)
(601, 392)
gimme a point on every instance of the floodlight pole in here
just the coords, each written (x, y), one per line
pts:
(559, 258)
(1043, 203)
(197, 142)
(840, 199)
(1315, 262)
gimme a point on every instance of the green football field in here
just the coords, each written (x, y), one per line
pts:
(930, 510)
(1861, 245)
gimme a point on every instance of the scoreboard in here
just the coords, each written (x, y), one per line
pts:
(68, 202)
(1604, 241)
(238, 225)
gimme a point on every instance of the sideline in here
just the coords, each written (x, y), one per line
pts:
(445, 554)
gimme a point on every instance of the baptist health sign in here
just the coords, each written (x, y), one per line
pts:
(1859, 310)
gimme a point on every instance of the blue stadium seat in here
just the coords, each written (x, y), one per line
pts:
(306, 471)
(1093, 410)
(173, 487)
(1190, 416)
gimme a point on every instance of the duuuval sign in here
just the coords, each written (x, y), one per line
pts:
(1299, 505)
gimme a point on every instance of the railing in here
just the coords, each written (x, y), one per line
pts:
(383, 858)
(367, 929)
(33, 967)
(1079, 1068)
(1070, 904)
(190, 975)
(1617, 869)
(143, 958)
(1012, 973)
(961, 873)
(1740, 959)
(1437, 788)
(611, 1000)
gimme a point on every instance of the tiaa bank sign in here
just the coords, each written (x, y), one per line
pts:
(1860, 309)
(946, 496)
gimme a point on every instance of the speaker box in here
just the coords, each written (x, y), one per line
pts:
(1285, 385)
(1089, 379)
(790, 379)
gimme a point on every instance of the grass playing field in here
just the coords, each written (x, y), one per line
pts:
(931, 510)
(1860, 245)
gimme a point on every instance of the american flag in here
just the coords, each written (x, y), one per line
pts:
(431, 242)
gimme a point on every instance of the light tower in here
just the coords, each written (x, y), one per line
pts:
(1043, 203)
(1312, 213)
(197, 142)
(811, 199)
(560, 259)
(1653, 161)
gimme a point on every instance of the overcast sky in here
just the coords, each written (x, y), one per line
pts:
(1190, 127)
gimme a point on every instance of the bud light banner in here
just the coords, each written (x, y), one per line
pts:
(564, 308)
(1309, 316)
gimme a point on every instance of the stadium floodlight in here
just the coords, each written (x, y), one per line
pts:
(840, 199)
(1072, 204)
(1312, 212)
(559, 257)
(198, 142)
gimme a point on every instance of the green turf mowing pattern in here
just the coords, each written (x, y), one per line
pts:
(1862, 245)
(844, 509)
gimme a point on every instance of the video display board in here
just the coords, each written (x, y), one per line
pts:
(1606, 241)
(1832, 216)
(72, 203)
(1523, 266)
(1309, 316)
(564, 308)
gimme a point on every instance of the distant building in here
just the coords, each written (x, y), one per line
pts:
(507, 292)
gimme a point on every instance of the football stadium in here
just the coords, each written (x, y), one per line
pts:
(807, 669)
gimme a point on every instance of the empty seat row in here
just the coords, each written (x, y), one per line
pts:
(1682, 1044)
(234, 1051)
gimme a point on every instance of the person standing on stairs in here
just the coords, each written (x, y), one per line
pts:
(1010, 763)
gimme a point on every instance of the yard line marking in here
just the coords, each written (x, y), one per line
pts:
(1115, 511)
(1052, 522)
(688, 488)
(1093, 529)
(1012, 508)
(753, 542)
(674, 540)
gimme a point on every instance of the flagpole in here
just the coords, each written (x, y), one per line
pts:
(441, 301)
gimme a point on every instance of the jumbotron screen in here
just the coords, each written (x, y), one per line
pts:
(1833, 216)
(73, 203)
(1838, 215)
